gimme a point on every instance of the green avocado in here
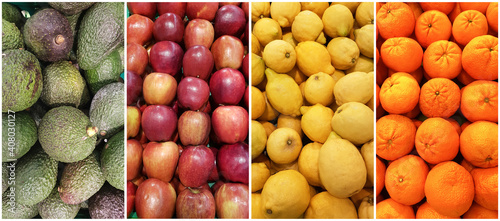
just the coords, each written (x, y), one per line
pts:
(11, 209)
(54, 208)
(70, 8)
(107, 72)
(11, 36)
(64, 86)
(113, 160)
(19, 134)
(108, 203)
(107, 109)
(12, 14)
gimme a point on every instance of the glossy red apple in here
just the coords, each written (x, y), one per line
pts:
(193, 127)
(230, 124)
(195, 204)
(134, 159)
(246, 98)
(166, 57)
(169, 27)
(229, 3)
(160, 160)
(214, 176)
(141, 136)
(193, 93)
(155, 199)
(139, 29)
(131, 190)
(195, 165)
(216, 186)
(246, 8)
(159, 88)
(147, 9)
(181, 187)
(227, 86)
(232, 202)
(133, 121)
(137, 58)
(245, 67)
(230, 20)
(159, 123)
(228, 52)
(178, 8)
(198, 62)
(233, 162)
(203, 10)
(199, 32)
(134, 87)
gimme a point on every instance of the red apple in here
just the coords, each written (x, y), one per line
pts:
(203, 10)
(195, 204)
(216, 186)
(228, 52)
(133, 121)
(198, 62)
(147, 9)
(141, 136)
(227, 86)
(229, 3)
(159, 123)
(199, 32)
(131, 190)
(134, 159)
(181, 187)
(233, 162)
(214, 176)
(160, 160)
(230, 20)
(246, 8)
(138, 180)
(246, 98)
(155, 199)
(232, 201)
(193, 127)
(245, 69)
(193, 93)
(169, 27)
(139, 29)
(159, 88)
(207, 109)
(195, 165)
(137, 58)
(166, 57)
(178, 8)
(134, 87)
(230, 124)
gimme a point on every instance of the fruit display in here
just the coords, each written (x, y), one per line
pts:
(187, 113)
(62, 110)
(312, 110)
(437, 110)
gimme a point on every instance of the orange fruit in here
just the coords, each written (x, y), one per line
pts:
(395, 19)
(492, 16)
(382, 72)
(486, 187)
(380, 182)
(437, 140)
(476, 211)
(465, 124)
(468, 25)
(413, 113)
(439, 97)
(377, 99)
(405, 179)
(469, 167)
(454, 13)
(444, 7)
(465, 78)
(416, 8)
(417, 123)
(449, 189)
(480, 101)
(399, 93)
(417, 74)
(443, 59)
(455, 124)
(401, 54)
(425, 211)
(390, 209)
(480, 58)
(479, 144)
(478, 6)
(395, 136)
(432, 26)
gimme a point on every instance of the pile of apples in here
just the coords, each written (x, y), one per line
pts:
(187, 113)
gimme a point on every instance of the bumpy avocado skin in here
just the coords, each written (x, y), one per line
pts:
(108, 203)
(106, 109)
(107, 72)
(11, 36)
(64, 86)
(22, 128)
(113, 160)
(70, 8)
(11, 210)
(12, 14)
(54, 208)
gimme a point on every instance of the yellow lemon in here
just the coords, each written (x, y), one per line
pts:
(259, 138)
(280, 56)
(283, 145)
(276, 167)
(284, 12)
(325, 206)
(354, 87)
(297, 75)
(258, 103)
(290, 122)
(308, 163)
(283, 93)
(364, 64)
(337, 75)
(367, 153)
(315, 122)
(344, 52)
(316, 7)
(313, 57)
(267, 30)
(268, 126)
(307, 26)
(288, 37)
(337, 21)
(364, 39)
(364, 14)
(269, 112)
(358, 197)
(365, 210)
(260, 10)
(319, 89)
(256, 206)
(260, 174)
(256, 49)
(353, 121)
(352, 6)
(258, 68)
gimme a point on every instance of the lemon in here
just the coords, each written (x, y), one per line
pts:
(364, 64)
(353, 121)
(269, 112)
(313, 57)
(268, 126)
(260, 174)
(280, 56)
(325, 206)
(364, 14)
(364, 39)
(258, 102)
(256, 206)
(297, 75)
(283, 145)
(337, 75)
(304, 101)
(352, 6)
(319, 89)
(307, 26)
(259, 138)
(258, 68)
(316, 7)
(308, 163)
(356, 86)
(337, 21)
(256, 46)
(276, 167)
(367, 153)
(344, 52)
(286, 194)
(358, 197)
(267, 30)
(283, 93)
(290, 122)
(260, 10)
(288, 37)
(284, 12)
(316, 122)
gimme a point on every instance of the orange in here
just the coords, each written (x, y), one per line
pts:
(380, 182)
(390, 209)
(432, 26)
(417, 123)
(492, 16)
(486, 187)
(476, 211)
(478, 6)
(443, 59)
(395, 136)
(479, 144)
(468, 25)
(417, 74)
(480, 101)
(437, 140)
(480, 58)
(425, 211)
(416, 8)
(469, 167)
(465, 78)
(455, 124)
(382, 73)
(405, 179)
(449, 189)
(377, 99)
(401, 54)
(454, 13)
(395, 19)
(399, 93)
(413, 113)
(444, 7)
(465, 124)
(439, 97)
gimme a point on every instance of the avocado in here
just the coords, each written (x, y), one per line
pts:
(66, 135)
(11, 36)
(11, 209)
(112, 160)
(64, 86)
(54, 208)
(21, 80)
(36, 176)
(73, 22)
(5, 177)
(101, 31)
(12, 14)
(84, 204)
(19, 134)
(48, 35)
(107, 109)
(81, 180)
(107, 72)
(70, 8)
(108, 203)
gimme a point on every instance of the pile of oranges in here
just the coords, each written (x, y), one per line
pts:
(437, 110)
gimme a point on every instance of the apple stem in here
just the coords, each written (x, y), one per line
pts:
(194, 190)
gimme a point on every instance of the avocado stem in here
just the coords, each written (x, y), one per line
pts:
(59, 39)
(92, 131)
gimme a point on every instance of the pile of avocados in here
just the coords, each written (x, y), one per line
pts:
(63, 110)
